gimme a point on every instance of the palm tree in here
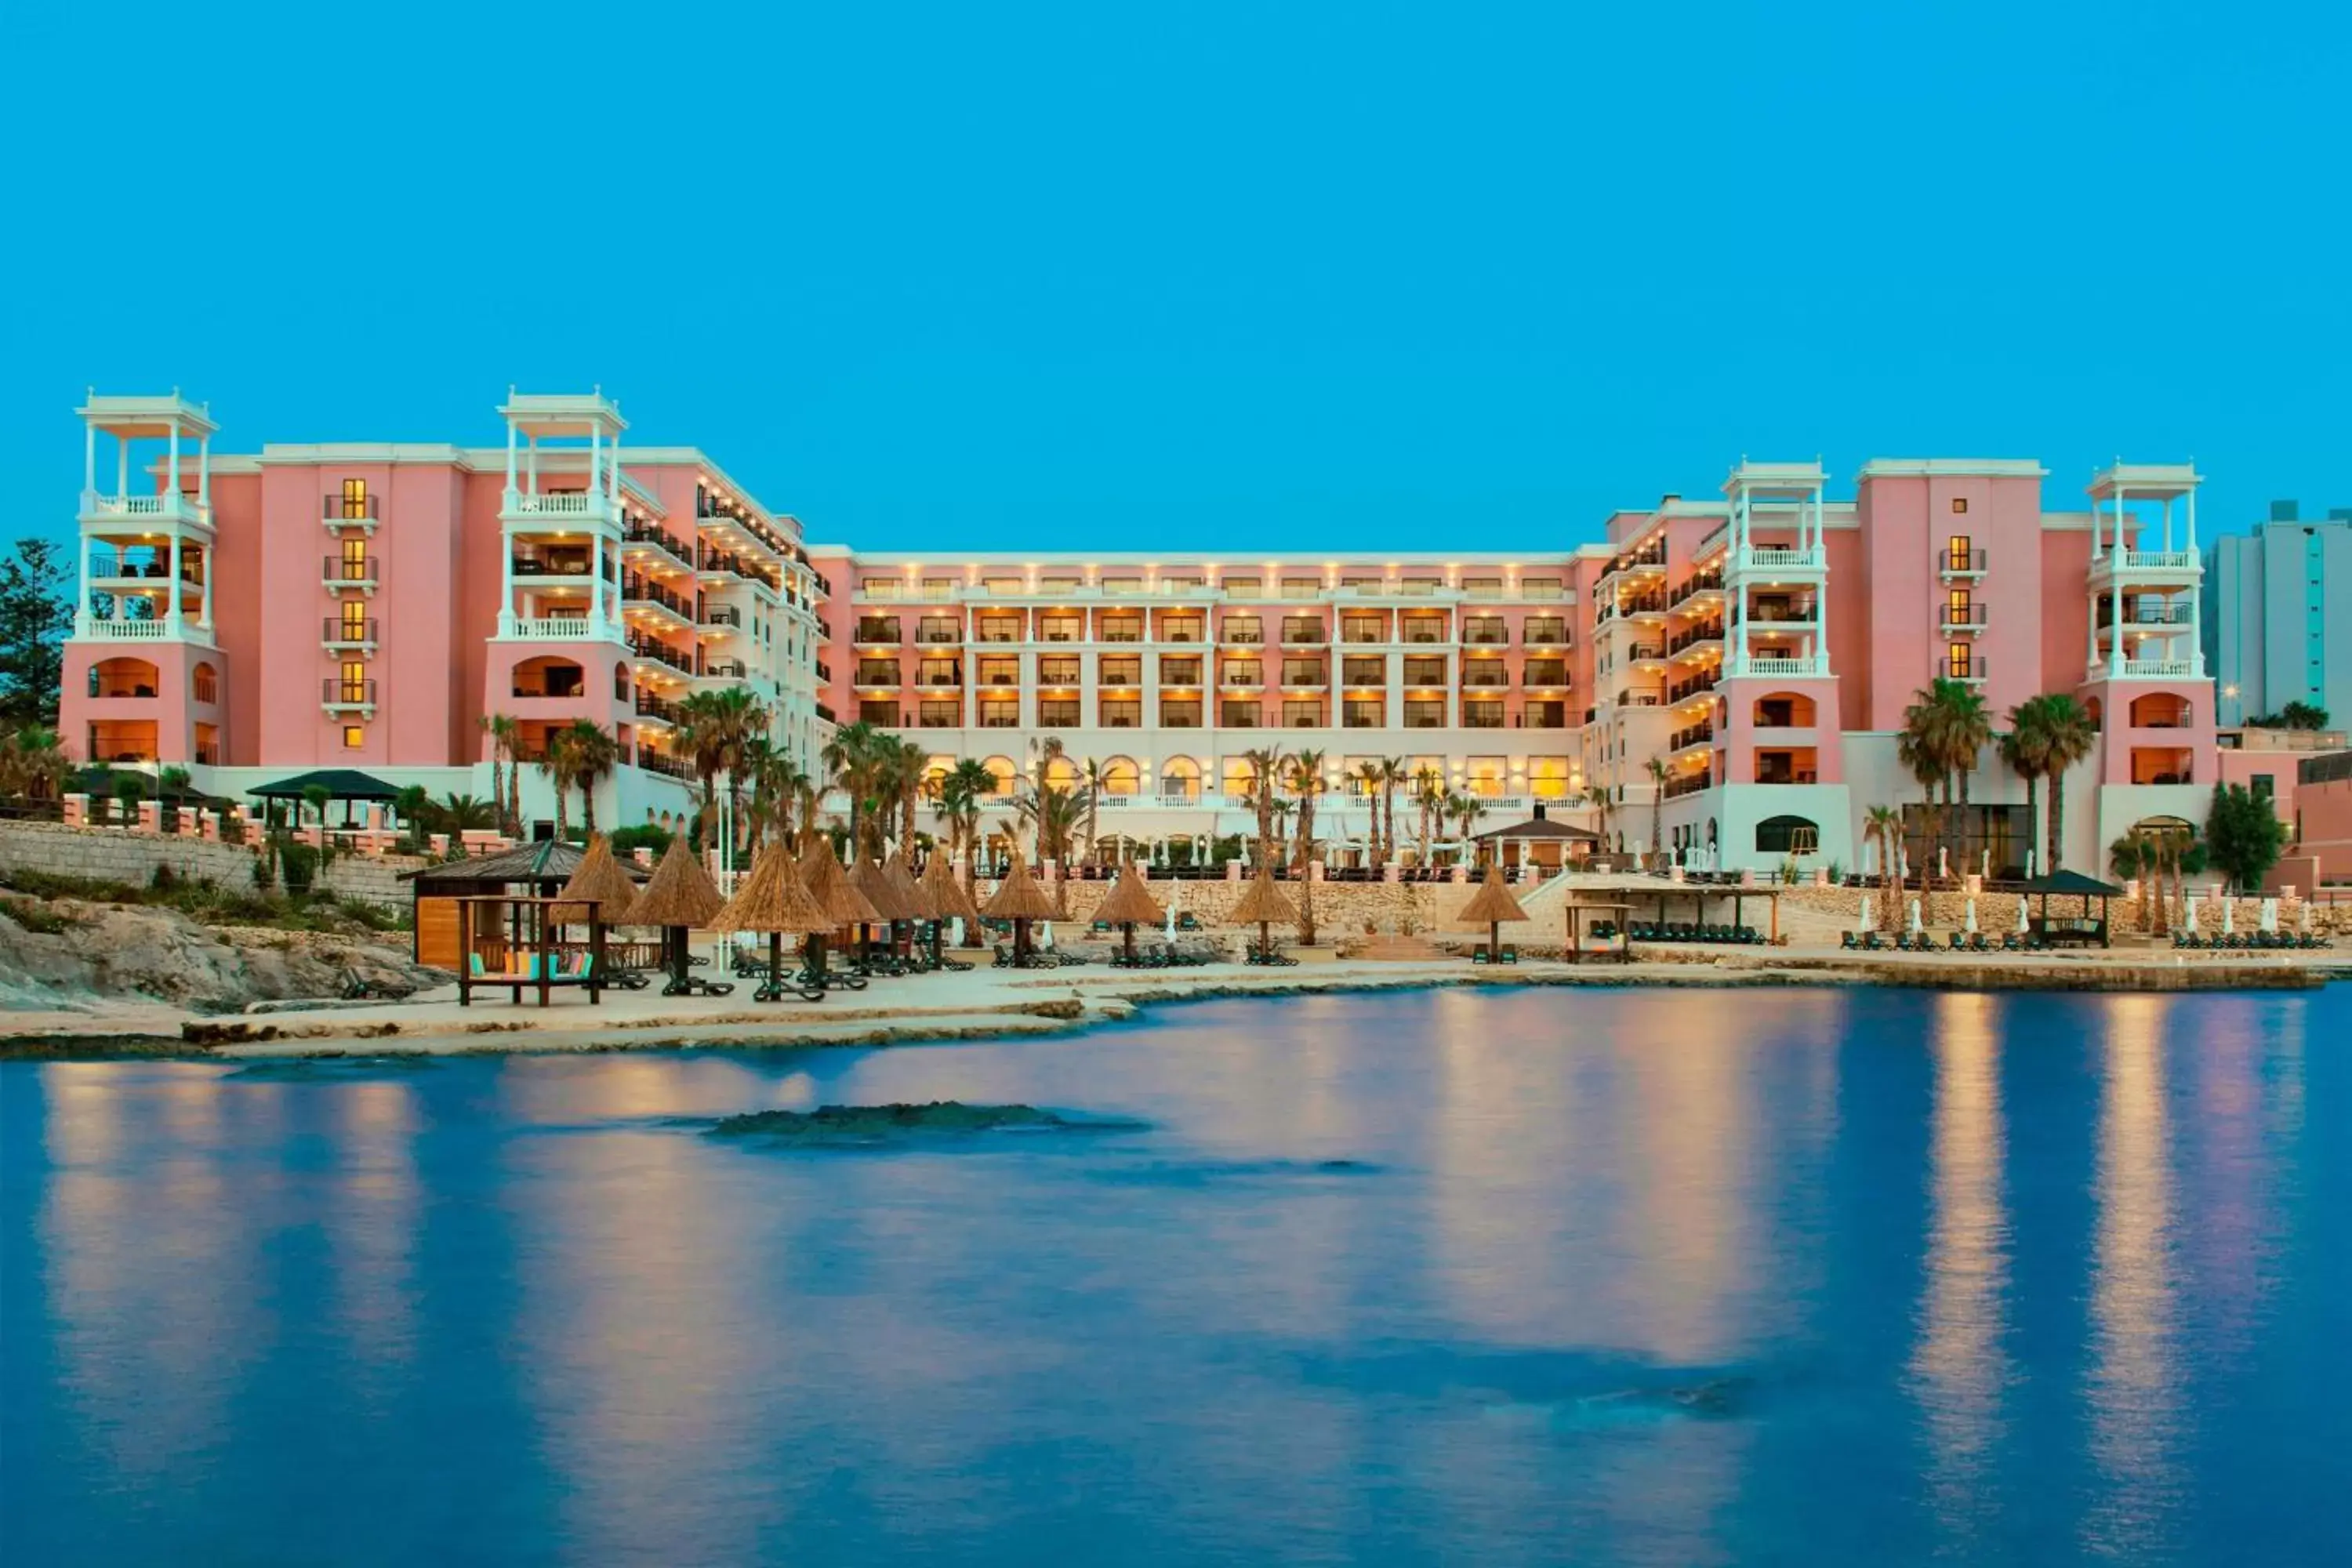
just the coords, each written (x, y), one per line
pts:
(456, 812)
(1392, 774)
(2070, 737)
(966, 785)
(1266, 766)
(505, 743)
(2025, 751)
(33, 764)
(1093, 778)
(2132, 857)
(898, 777)
(1885, 827)
(1920, 747)
(1429, 789)
(852, 758)
(1967, 730)
(580, 753)
(1053, 815)
(1305, 782)
(1656, 768)
(1368, 781)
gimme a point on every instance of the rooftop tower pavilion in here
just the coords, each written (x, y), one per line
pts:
(143, 654)
(559, 576)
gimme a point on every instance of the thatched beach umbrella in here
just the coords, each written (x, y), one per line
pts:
(833, 893)
(873, 884)
(1019, 901)
(773, 899)
(1263, 906)
(604, 892)
(678, 899)
(1130, 904)
(912, 897)
(949, 901)
(1493, 904)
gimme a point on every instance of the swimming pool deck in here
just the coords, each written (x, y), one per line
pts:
(991, 1002)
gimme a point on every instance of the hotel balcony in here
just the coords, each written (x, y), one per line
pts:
(1774, 558)
(1695, 639)
(1951, 564)
(1691, 738)
(2155, 669)
(657, 710)
(1549, 633)
(1704, 584)
(722, 615)
(661, 653)
(339, 512)
(339, 696)
(1305, 634)
(1968, 618)
(559, 509)
(660, 539)
(2177, 568)
(561, 628)
(1479, 679)
(340, 635)
(1766, 664)
(141, 513)
(1687, 783)
(645, 595)
(349, 572)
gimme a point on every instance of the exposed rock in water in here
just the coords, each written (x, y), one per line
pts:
(130, 949)
(879, 1123)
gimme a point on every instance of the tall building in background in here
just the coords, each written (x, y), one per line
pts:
(366, 605)
(2270, 597)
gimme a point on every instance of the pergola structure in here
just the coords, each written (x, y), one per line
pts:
(1580, 913)
(1536, 834)
(543, 869)
(2079, 928)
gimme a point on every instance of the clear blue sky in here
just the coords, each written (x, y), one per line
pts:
(1235, 274)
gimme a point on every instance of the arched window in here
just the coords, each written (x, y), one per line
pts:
(204, 682)
(1240, 779)
(1061, 774)
(1785, 711)
(123, 677)
(1787, 836)
(1710, 833)
(1002, 770)
(2161, 710)
(549, 675)
(2091, 707)
(1122, 777)
(620, 682)
(1179, 780)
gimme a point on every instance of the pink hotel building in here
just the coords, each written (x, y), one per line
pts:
(1728, 674)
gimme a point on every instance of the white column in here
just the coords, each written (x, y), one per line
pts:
(2193, 522)
(209, 574)
(89, 458)
(530, 463)
(121, 466)
(204, 482)
(173, 468)
(2196, 642)
(2094, 531)
(1822, 613)
(510, 458)
(171, 582)
(506, 578)
(2167, 522)
(595, 486)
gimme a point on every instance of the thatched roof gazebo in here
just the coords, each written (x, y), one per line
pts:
(1264, 905)
(774, 900)
(679, 898)
(1130, 904)
(1021, 900)
(539, 869)
(1491, 905)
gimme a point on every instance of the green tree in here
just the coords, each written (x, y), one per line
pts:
(35, 612)
(2244, 836)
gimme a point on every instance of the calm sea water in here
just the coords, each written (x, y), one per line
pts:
(1500, 1278)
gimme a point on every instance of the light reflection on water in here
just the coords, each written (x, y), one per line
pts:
(1613, 1277)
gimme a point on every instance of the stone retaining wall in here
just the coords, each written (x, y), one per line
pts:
(115, 855)
(1342, 909)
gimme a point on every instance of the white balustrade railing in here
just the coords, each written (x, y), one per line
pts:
(144, 507)
(1810, 666)
(1772, 558)
(554, 503)
(122, 631)
(2159, 668)
(566, 628)
(2150, 561)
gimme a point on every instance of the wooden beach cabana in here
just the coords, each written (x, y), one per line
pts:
(540, 871)
(2080, 930)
